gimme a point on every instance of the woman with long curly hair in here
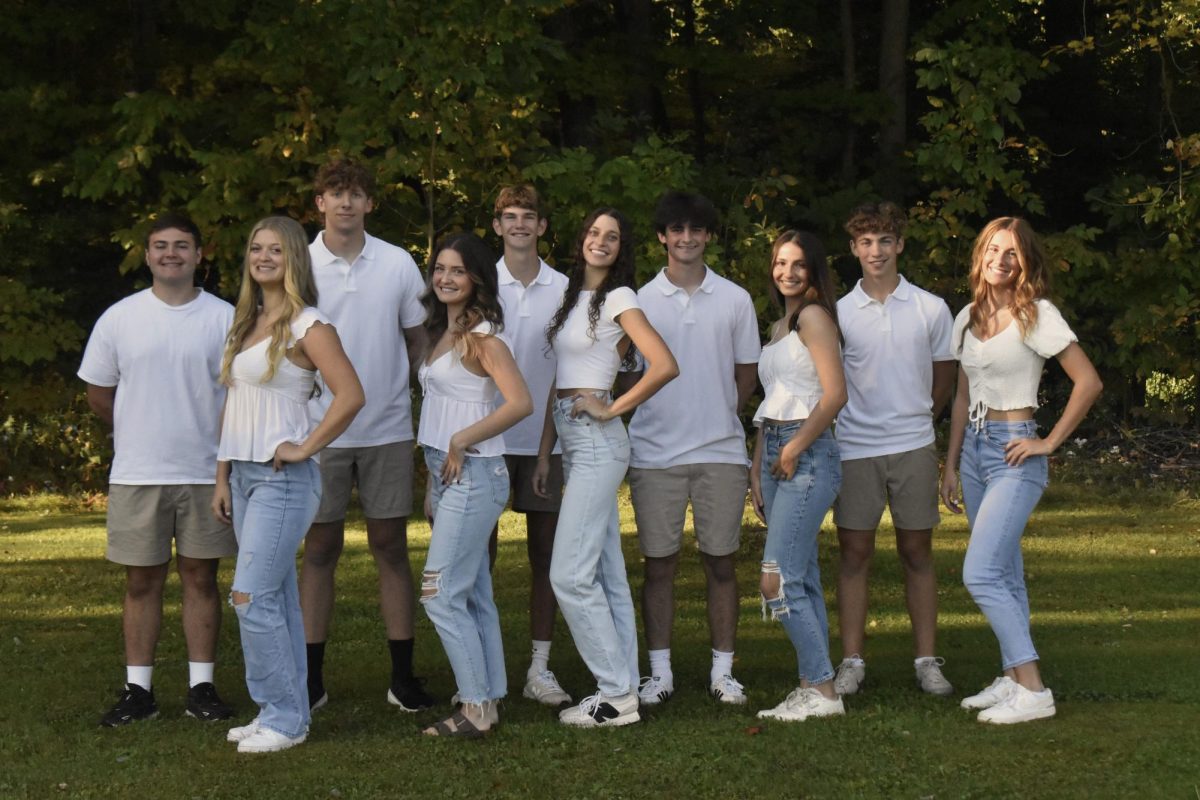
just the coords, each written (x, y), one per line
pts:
(1002, 339)
(268, 483)
(591, 332)
(467, 365)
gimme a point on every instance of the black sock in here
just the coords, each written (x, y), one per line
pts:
(316, 665)
(402, 657)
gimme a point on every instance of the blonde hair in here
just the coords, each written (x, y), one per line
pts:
(1032, 281)
(299, 290)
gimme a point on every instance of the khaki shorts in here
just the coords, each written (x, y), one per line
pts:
(383, 473)
(905, 482)
(142, 521)
(520, 474)
(660, 499)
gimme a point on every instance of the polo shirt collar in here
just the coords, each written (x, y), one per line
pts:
(504, 276)
(323, 256)
(902, 292)
(664, 285)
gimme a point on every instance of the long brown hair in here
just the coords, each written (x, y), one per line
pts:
(621, 273)
(820, 280)
(480, 263)
(1033, 281)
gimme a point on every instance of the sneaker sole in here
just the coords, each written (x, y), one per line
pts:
(780, 718)
(1028, 716)
(546, 701)
(207, 717)
(979, 705)
(655, 700)
(393, 700)
(275, 748)
(729, 700)
(938, 692)
(153, 715)
(615, 722)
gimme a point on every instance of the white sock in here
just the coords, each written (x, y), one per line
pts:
(722, 665)
(200, 672)
(541, 657)
(138, 675)
(660, 663)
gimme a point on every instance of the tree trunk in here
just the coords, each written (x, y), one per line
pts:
(849, 81)
(892, 85)
(695, 92)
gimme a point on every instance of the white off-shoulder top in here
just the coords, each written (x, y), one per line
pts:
(591, 361)
(454, 398)
(1004, 372)
(791, 388)
(261, 416)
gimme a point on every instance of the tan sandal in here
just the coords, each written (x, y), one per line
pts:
(455, 725)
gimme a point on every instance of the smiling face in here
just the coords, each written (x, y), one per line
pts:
(519, 228)
(877, 254)
(1001, 268)
(345, 209)
(172, 256)
(685, 243)
(266, 259)
(602, 243)
(451, 281)
(790, 271)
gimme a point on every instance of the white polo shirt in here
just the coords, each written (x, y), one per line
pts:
(166, 364)
(888, 357)
(693, 419)
(527, 312)
(371, 302)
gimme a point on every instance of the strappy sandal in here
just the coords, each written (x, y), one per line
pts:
(462, 728)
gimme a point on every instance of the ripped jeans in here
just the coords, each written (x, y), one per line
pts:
(271, 514)
(794, 511)
(457, 583)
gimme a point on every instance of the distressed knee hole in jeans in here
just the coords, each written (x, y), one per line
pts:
(239, 600)
(778, 603)
(431, 584)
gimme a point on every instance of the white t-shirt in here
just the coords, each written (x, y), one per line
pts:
(589, 360)
(694, 418)
(370, 303)
(888, 357)
(527, 312)
(165, 362)
(1004, 372)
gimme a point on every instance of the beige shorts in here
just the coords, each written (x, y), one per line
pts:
(520, 475)
(142, 521)
(905, 482)
(660, 499)
(383, 474)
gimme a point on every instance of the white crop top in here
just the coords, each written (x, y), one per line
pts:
(591, 362)
(261, 416)
(454, 398)
(791, 388)
(1004, 372)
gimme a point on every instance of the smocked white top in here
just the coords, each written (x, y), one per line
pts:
(791, 388)
(591, 362)
(1004, 372)
(261, 416)
(454, 398)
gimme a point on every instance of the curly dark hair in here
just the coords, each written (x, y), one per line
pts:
(480, 262)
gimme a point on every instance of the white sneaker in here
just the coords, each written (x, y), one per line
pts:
(803, 703)
(602, 712)
(850, 675)
(1021, 705)
(726, 690)
(930, 677)
(265, 740)
(245, 731)
(544, 688)
(998, 692)
(656, 689)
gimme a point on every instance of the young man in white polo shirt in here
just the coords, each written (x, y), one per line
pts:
(688, 443)
(530, 292)
(899, 374)
(371, 292)
(151, 366)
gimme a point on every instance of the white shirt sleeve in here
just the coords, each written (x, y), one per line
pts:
(618, 301)
(99, 366)
(746, 347)
(960, 329)
(940, 333)
(412, 313)
(1051, 334)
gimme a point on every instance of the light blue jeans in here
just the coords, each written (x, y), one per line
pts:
(461, 607)
(271, 513)
(999, 500)
(795, 510)
(587, 569)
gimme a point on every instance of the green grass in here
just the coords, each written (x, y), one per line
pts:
(1112, 577)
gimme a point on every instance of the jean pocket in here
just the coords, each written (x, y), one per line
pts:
(500, 482)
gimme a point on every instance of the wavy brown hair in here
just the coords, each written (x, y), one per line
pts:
(1032, 281)
(820, 279)
(480, 263)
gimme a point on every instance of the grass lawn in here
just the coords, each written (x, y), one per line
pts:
(1113, 581)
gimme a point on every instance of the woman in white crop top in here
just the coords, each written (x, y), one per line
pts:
(466, 366)
(268, 483)
(590, 333)
(797, 469)
(1002, 339)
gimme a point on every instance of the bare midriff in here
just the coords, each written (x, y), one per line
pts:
(561, 393)
(1013, 415)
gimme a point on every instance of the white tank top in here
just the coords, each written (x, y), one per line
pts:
(791, 388)
(454, 398)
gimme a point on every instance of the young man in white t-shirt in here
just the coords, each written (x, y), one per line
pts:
(530, 292)
(371, 292)
(688, 443)
(152, 365)
(899, 374)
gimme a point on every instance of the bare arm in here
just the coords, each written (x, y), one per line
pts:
(745, 376)
(414, 343)
(943, 384)
(661, 369)
(101, 400)
(323, 348)
(958, 431)
(1086, 389)
(756, 478)
(820, 336)
(541, 472)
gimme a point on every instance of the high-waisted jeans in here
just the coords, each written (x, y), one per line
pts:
(587, 569)
(795, 510)
(271, 514)
(462, 607)
(999, 499)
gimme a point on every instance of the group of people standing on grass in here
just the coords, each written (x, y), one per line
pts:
(241, 432)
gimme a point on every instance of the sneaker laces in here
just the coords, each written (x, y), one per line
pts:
(589, 704)
(652, 684)
(547, 679)
(729, 685)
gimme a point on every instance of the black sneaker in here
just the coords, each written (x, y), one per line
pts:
(135, 703)
(205, 704)
(410, 695)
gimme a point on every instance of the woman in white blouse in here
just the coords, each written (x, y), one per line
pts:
(467, 365)
(1002, 339)
(797, 470)
(590, 333)
(268, 483)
